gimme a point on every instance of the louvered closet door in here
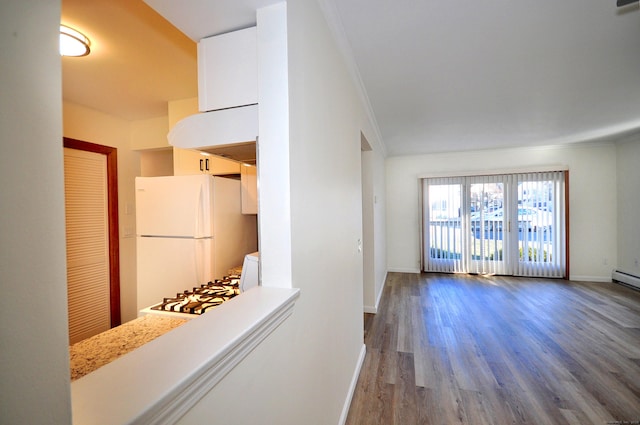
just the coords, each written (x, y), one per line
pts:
(87, 243)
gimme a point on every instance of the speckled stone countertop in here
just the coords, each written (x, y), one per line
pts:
(236, 270)
(95, 352)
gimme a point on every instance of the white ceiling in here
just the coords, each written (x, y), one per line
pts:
(439, 76)
(445, 76)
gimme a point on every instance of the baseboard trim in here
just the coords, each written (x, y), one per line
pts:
(403, 270)
(374, 309)
(352, 386)
(379, 297)
(602, 279)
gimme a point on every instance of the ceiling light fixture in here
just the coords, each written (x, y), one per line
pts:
(73, 43)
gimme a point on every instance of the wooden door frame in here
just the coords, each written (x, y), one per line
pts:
(112, 213)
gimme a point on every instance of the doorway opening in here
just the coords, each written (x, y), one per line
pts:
(368, 226)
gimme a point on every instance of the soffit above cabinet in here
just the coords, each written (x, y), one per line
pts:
(216, 129)
(203, 18)
(241, 152)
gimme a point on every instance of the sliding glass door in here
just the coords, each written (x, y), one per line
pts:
(443, 225)
(499, 224)
(487, 224)
(540, 218)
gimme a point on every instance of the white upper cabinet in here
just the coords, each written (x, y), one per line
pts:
(249, 186)
(187, 162)
(228, 70)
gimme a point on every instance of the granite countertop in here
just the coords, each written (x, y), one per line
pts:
(99, 350)
(235, 271)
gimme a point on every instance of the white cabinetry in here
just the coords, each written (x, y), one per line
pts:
(249, 180)
(228, 70)
(187, 162)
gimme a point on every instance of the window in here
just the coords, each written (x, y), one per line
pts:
(498, 224)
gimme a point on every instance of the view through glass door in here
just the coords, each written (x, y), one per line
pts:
(487, 222)
(499, 224)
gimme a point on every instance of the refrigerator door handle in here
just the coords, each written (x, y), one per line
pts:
(202, 261)
(199, 211)
(198, 256)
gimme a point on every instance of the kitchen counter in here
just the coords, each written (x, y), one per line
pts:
(162, 381)
(99, 350)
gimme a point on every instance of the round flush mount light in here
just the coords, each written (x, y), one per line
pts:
(73, 43)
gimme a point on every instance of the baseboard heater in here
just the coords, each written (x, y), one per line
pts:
(626, 278)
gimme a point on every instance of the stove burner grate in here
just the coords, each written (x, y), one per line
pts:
(202, 299)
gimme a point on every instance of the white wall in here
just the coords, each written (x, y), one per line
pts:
(274, 175)
(93, 126)
(592, 200)
(302, 373)
(373, 174)
(34, 359)
(326, 213)
(629, 205)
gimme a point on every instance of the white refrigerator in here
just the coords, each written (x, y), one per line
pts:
(190, 230)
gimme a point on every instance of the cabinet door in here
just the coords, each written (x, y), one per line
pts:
(219, 166)
(228, 70)
(188, 162)
(249, 191)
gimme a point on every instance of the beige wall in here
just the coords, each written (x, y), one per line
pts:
(96, 127)
(179, 109)
(149, 134)
(155, 163)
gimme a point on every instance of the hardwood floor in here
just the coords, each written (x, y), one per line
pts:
(453, 349)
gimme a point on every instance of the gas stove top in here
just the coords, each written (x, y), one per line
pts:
(202, 299)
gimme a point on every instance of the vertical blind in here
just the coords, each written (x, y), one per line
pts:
(497, 224)
(442, 225)
(487, 221)
(542, 249)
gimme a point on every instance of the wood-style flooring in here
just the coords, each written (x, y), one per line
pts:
(457, 349)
